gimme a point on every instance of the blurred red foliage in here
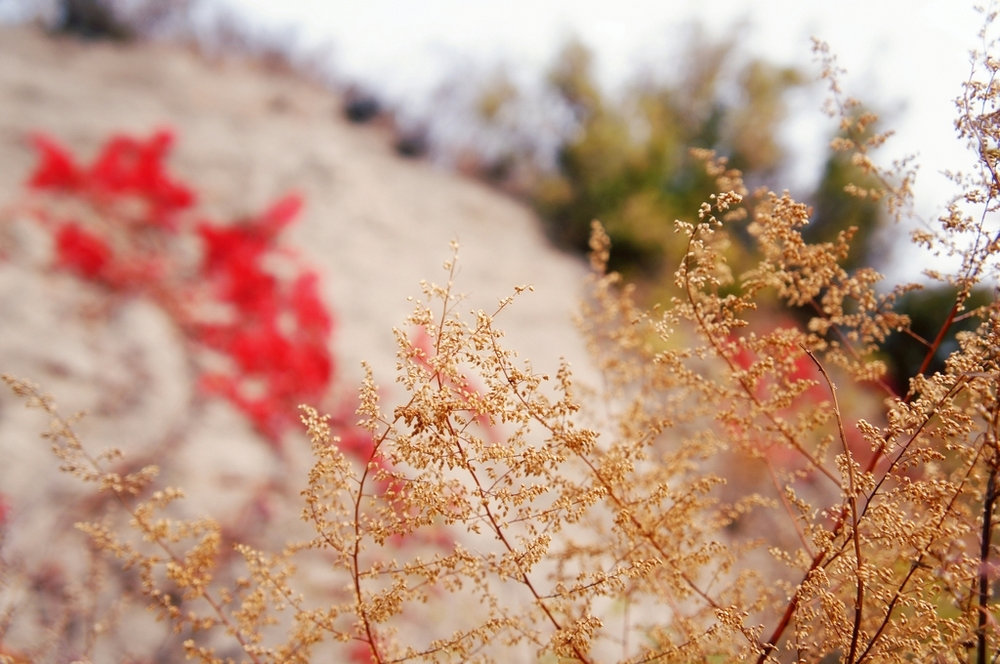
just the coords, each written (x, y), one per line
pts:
(80, 251)
(273, 330)
(125, 167)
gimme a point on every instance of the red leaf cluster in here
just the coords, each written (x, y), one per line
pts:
(125, 167)
(273, 330)
(81, 251)
(277, 336)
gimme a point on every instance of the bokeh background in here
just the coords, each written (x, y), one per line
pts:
(404, 126)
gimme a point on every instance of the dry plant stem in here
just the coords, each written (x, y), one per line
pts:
(779, 426)
(807, 546)
(820, 559)
(977, 254)
(481, 492)
(848, 345)
(974, 270)
(495, 525)
(989, 502)
(793, 604)
(918, 562)
(938, 340)
(932, 350)
(611, 493)
(984, 554)
(983, 148)
(64, 428)
(767, 647)
(855, 131)
(852, 497)
(356, 554)
(957, 388)
(356, 572)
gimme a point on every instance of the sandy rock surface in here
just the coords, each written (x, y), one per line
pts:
(374, 225)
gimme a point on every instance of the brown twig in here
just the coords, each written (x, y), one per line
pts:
(989, 502)
(853, 502)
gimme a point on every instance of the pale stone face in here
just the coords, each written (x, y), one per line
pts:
(373, 226)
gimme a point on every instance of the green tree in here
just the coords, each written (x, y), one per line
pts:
(628, 161)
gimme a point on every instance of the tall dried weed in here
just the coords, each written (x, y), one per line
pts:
(737, 487)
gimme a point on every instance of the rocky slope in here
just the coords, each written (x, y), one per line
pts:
(374, 225)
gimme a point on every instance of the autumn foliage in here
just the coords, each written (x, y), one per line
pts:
(743, 481)
(272, 329)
